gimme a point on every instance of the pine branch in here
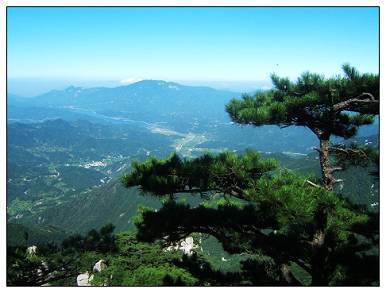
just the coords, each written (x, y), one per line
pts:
(313, 184)
(354, 103)
(334, 169)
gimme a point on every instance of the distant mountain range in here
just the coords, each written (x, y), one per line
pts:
(148, 101)
(154, 102)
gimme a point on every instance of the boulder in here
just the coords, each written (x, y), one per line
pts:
(84, 279)
(32, 250)
(99, 266)
(187, 246)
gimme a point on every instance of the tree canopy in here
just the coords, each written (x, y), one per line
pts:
(327, 106)
(266, 212)
(318, 103)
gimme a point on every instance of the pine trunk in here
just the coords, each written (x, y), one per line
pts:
(318, 259)
(319, 249)
(325, 164)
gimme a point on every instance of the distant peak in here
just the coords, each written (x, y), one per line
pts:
(73, 89)
(153, 83)
(131, 80)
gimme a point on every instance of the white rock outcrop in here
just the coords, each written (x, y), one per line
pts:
(187, 246)
(99, 266)
(32, 250)
(84, 279)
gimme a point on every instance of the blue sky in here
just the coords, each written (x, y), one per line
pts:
(188, 44)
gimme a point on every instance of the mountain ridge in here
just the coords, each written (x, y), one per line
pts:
(146, 82)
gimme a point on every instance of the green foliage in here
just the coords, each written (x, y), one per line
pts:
(52, 264)
(101, 241)
(277, 216)
(226, 172)
(288, 197)
(335, 106)
(129, 262)
(18, 234)
(142, 264)
(48, 265)
(312, 101)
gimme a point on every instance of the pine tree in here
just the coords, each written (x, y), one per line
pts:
(334, 106)
(275, 217)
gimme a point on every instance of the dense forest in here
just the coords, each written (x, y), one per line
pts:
(237, 217)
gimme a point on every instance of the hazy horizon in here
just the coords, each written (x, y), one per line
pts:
(33, 87)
